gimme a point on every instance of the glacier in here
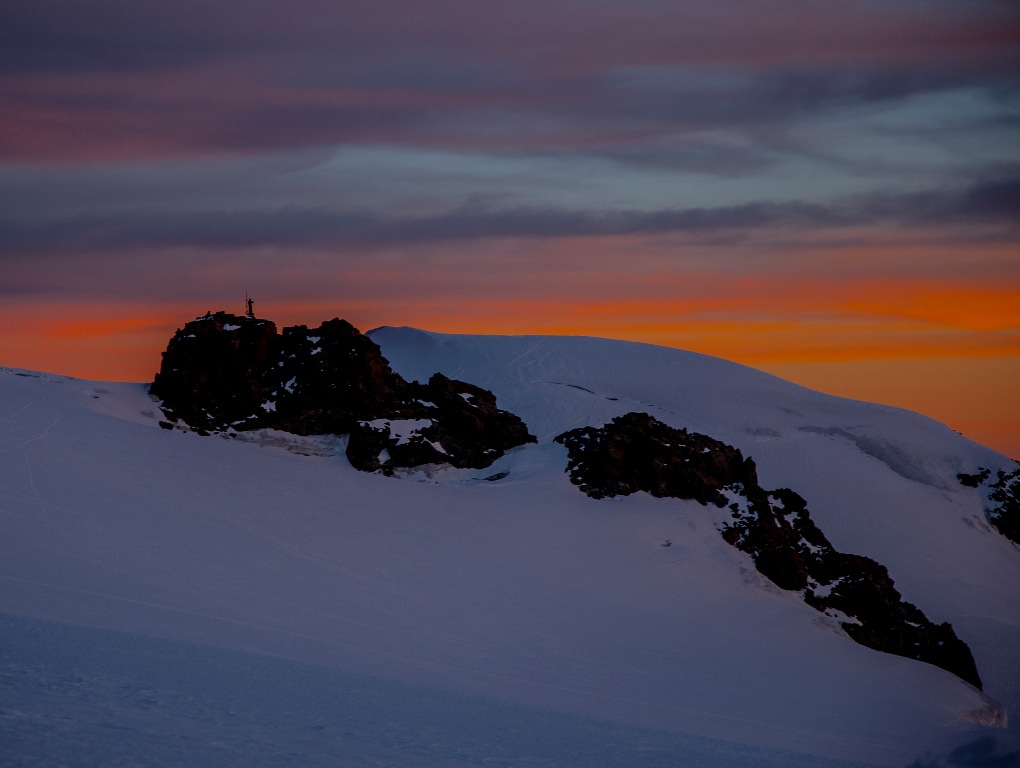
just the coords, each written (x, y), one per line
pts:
(170, 598)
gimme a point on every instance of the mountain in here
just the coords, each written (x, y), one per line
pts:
(493, 615)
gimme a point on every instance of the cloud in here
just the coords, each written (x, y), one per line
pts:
(997, 199)
(230, 107)
(316, 228)
(115, 79)
(118, 34)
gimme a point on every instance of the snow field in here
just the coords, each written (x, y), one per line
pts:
(521, 589)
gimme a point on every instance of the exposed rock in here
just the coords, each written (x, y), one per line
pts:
(1004, 504)
(1002, 499)
(225, 372)
(973, 481)
(211, 376)
(447, 421)
(636, 452)
(327, 379)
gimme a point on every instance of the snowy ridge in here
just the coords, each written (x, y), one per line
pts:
(889, 491)
(510, 584)
(639, 453)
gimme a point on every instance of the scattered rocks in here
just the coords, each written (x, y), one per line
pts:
(1002, 499)
(636, 452)
(226, 372)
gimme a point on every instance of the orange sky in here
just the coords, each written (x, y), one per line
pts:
(949, 351)
(828, 192)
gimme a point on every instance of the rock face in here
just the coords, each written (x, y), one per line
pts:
(973, 481)
(1004, 504)
(636, 452)
(211, 376)
(225, 372)
(1002, 499)
(445, 421)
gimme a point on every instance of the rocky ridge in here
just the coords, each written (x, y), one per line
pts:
(636, 452)
(230, 373)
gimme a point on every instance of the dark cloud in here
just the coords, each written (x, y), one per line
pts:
(998, 199)
(53, 36)
(997, 202)
(125, 79)
(222, 113)
(768, 97)
(564, 34)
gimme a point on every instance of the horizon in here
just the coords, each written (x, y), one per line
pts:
(826, 192)
(855, 379)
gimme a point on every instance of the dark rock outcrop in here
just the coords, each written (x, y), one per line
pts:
(325, 380)
(454, 422)
(973, 481)
(211, 376)
(1004, 504)
(225, 372)
(776, 529)
(1002, 499)
(636, 452)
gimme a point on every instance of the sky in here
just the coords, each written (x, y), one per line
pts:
(828, 191)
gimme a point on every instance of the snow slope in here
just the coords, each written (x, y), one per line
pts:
(80, 696)
(880, 481)
(560, 609)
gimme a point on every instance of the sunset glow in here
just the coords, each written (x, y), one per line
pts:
(829, 192)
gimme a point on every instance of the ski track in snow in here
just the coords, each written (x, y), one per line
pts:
(514, 622)
(28, 461)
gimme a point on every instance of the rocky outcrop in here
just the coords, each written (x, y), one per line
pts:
(636, 452)
(776, 529)
(326, 380)
(225, 372)
(973, 481)
(211, 376)
(450, 421)
(1003, 508)
(1002, 499)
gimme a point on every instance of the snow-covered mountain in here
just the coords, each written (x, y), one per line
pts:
(495, 595)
